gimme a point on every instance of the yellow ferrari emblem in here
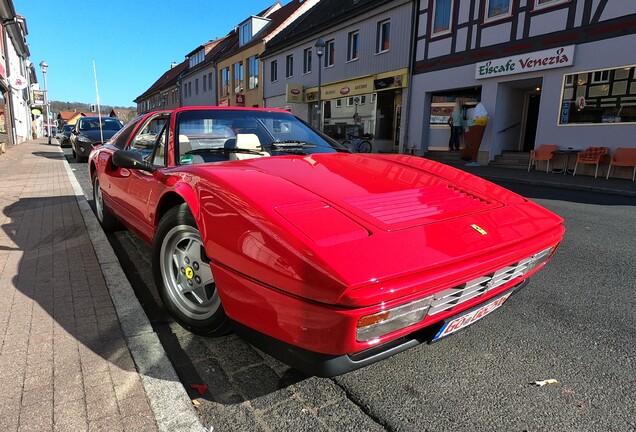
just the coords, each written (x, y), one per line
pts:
(479, 229)
(189, 272)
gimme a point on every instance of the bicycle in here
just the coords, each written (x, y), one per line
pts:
(359, 145)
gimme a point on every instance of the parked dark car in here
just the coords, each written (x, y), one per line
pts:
(87, 133)
(64, 135)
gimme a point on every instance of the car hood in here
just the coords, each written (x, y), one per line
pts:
(366, 219)
(96, 137)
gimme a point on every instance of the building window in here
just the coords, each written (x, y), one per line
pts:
(442, 12)
(600, 77)
(338, 103)
(274, 71)
(289, 66)
(253, 73)
(225, 81)
(205, 84)
(238, 77)
(497, 9)
(383, 40)
(541, 4)
(330, 53)
(601, 96)
(353, 46)
(190, 89)
(210, 81)
(197, 58)
(245, 33)
(307, 60)
(196, 86)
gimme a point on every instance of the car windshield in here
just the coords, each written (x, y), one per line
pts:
(108, 123)
(255, 132)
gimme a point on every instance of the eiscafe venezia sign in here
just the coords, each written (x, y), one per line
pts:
(529, 62)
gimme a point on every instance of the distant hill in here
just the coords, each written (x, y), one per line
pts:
(57, 106)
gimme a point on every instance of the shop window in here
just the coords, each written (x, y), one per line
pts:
(496, 9)
(307, 61)
(442, 12)
(353, 46)
(383, 41)
(601, 96)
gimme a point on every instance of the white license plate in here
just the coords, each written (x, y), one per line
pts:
(470, 317)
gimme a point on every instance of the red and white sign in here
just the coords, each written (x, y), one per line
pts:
(240, 100)
(345, 90)
(471, 317)
(18, 82)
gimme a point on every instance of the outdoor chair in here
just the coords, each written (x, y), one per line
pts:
(545, 152)
(625, 157)
(591, 156)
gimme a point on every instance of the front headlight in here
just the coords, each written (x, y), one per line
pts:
(379, 324)
(83, 138)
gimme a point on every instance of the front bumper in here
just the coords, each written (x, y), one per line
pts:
(83, 148)
(326, 365)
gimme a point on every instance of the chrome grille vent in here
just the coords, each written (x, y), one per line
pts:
(451, 297)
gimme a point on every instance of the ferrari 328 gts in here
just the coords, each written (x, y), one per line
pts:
(326, 259)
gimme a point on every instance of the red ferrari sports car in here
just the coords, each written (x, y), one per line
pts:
(326, 259)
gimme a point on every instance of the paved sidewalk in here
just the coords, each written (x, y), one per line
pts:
(76, 350)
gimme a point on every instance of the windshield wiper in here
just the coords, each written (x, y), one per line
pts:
(223, 150)
(291, 146)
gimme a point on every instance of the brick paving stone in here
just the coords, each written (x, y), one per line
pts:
(60, 337)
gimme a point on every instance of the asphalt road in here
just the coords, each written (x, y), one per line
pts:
(574, 323)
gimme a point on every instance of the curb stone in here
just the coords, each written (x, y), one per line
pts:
(168, 399)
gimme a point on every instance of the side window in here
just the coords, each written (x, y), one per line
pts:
(144, 141)
(121, 137)
(159, 158)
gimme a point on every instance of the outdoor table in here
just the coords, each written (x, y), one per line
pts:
(566, 152)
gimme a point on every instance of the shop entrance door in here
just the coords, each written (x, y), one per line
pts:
(533, 101)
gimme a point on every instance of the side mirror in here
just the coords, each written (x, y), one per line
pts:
(133, 160)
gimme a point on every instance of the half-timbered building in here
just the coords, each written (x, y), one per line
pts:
(547, 71)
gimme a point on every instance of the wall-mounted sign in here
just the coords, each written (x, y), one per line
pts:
(294, 93)
(38, 97)
(240, 100)
(36, 112)
(388, 82)
(523, 63)
(18, 82)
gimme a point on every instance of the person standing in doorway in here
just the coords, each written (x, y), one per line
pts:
(457, 128)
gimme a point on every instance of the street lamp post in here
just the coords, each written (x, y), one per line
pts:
(320, 47)
(44, 66)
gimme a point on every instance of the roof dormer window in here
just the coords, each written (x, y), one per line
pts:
(250, 28)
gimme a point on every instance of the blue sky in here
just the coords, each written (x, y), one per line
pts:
(132, 42)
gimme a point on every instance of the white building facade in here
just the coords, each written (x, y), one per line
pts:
(363, 70)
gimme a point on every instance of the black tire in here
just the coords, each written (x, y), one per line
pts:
(183, 275)
(365, 147)
(73, 153)
(80, 158)
(104, 216)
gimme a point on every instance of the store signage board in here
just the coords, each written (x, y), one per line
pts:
(524, 63)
